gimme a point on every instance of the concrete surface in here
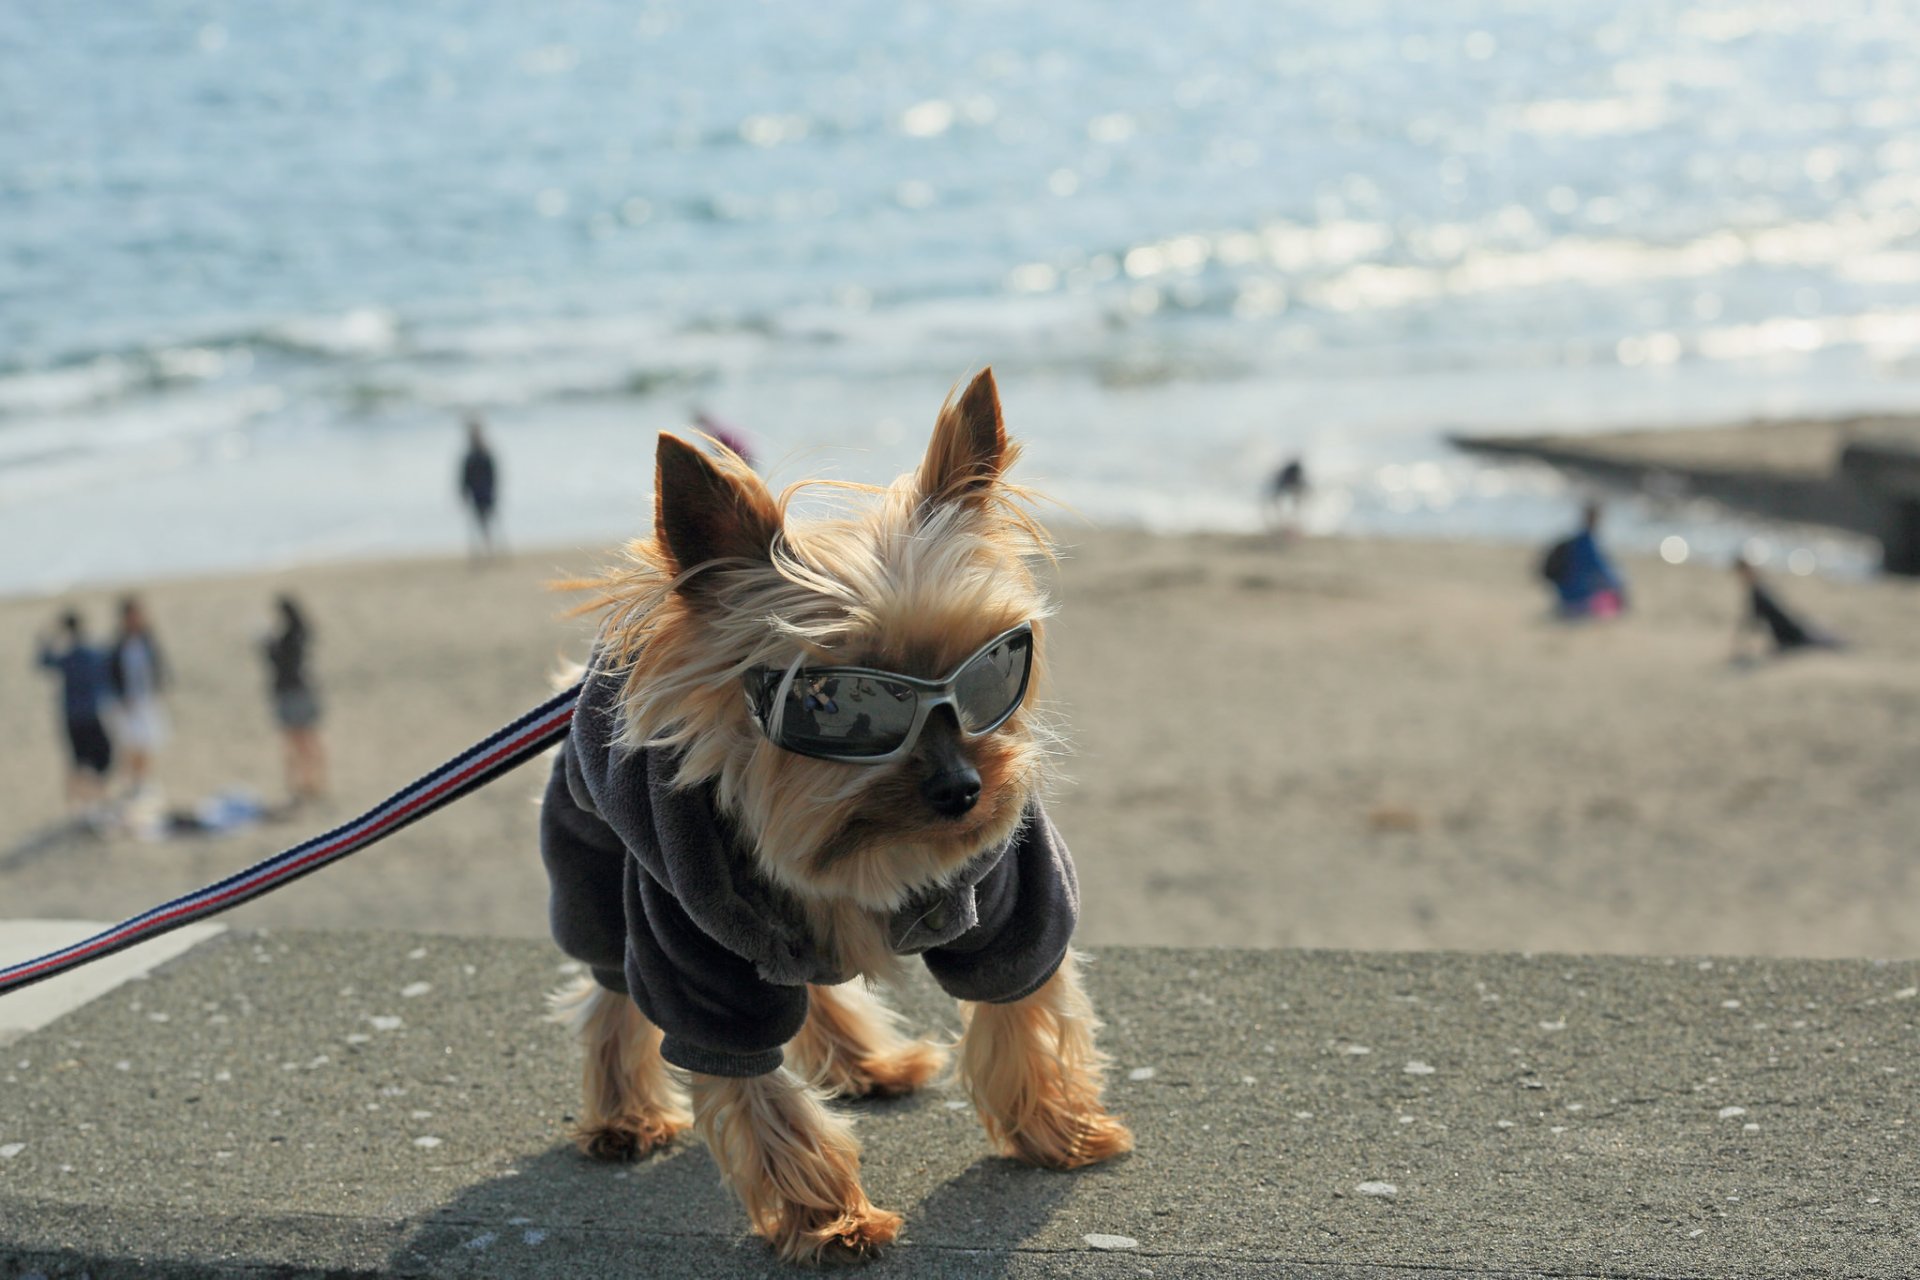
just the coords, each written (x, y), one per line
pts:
(337, 1104)
(36, 1006)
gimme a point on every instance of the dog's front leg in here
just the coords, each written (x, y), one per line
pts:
(1035, 1075)
(794, 1164)
(629, 1104)
(853, 1047)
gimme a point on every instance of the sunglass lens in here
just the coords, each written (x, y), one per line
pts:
(846, 715)
(991, 686)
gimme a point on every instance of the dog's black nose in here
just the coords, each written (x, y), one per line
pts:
(951, 792)
(952, 784)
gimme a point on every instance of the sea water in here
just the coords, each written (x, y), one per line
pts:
(257, 260)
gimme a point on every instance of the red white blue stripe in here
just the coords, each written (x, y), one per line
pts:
(472, 769)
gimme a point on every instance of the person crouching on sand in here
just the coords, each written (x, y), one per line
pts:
(296, 707)
(84, 694)
(1585, 583)
(1766, 614)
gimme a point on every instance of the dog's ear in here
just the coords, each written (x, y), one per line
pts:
(969, 448)
(707, 508)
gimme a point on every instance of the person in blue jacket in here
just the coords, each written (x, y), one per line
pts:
(85, 690)
(1585, 583)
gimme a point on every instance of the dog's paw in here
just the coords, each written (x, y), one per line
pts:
(1061, 1139)
(628, 1138)
(820, 1237)
(889, 1075)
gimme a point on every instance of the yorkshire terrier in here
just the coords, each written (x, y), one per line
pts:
(804, 752)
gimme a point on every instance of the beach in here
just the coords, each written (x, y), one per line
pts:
(1190, 251)
(1307, 743)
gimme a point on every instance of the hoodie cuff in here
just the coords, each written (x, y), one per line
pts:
(718, 1062)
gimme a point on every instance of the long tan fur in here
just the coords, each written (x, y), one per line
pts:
(912, 578)
(1036, 1077)
(921, 574)
(853, 1046)
(629, 1103)
(794, 1165)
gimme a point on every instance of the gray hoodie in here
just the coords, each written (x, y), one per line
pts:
(652, 890)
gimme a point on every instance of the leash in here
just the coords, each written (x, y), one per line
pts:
(467, 772)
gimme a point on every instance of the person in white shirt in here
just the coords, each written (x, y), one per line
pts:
(139, 676)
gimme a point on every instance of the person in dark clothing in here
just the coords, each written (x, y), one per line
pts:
(84, 693)
(296, 707)
(726, 433)
(1286, 494)
(480, 484)
(1766, 614)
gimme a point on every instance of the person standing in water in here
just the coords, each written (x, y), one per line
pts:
(480, 484)
(296, 707)
(84, 694)
(1286, 495)
(139, 676)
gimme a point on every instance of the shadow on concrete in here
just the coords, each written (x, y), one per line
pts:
(66, 835)
(561, 1214)
(984, 1215)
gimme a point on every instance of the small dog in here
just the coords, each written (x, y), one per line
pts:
(803, 752)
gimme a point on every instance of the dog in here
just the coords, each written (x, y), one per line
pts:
(805, 751)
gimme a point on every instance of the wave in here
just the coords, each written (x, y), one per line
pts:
(1352, 265)
(360, 333)
(108, 377)
(90, 379)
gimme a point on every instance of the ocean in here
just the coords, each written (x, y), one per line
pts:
(257, 260)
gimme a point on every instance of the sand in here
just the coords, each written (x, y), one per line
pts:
(1320, 743)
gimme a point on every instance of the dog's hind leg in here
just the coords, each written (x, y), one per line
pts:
(794, 1164)
(853, 1046)
(1035, 1076)
(630, 1104)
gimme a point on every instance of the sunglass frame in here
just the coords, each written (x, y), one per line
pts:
(771, 681)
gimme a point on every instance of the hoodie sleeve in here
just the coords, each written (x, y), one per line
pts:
(614, 908)
(1028, 904)
(720, 1017)
(585, 864)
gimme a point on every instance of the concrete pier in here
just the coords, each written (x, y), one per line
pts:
(1861, 475)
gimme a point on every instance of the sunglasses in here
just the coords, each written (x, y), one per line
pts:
(861, 715)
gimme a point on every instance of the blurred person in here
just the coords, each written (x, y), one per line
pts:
(1765, 613)
(85, 691)
(480, 484)
(296, 707)
(139, 676)
(1286, 493)
(727, 434)
(1585, 583)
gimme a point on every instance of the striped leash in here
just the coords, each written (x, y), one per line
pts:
(467, 772)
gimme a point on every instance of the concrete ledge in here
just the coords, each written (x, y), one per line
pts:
(333, 1104)
(36, 1006)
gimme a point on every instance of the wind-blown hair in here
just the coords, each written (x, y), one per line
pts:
(913, 577)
